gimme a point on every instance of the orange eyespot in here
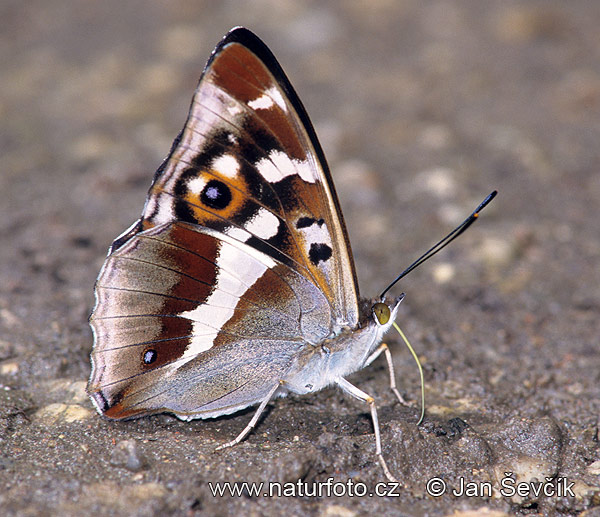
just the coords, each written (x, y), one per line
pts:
(381, 312)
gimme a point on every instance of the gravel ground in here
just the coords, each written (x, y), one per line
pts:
(422, 109)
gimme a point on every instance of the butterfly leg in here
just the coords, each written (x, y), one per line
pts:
(388, 356)
(361, 395)
(252, 422)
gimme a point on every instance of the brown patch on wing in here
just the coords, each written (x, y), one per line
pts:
(241, 74)
(141, 291)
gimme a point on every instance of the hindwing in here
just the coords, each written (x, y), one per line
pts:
(179, 306)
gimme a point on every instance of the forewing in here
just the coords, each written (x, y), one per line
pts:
(249, 165)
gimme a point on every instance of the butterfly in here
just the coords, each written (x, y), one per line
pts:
(237, 283)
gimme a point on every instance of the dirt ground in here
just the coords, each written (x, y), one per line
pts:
(422, 109)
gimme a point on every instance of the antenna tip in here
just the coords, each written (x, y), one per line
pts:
(484, 203)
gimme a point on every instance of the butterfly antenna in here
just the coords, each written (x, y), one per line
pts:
(444, 242)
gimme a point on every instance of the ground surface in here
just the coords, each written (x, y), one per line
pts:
(422, 108)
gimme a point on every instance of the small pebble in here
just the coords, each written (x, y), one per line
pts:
(128, 455)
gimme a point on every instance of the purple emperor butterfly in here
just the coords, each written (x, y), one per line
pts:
(237, 283)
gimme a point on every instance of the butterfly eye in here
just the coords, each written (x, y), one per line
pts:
(381, 312)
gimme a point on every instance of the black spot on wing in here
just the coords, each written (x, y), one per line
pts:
(319, 253)
(306, 222)
(149, 356)
(261, 245)
(216, 195)
(248, 152)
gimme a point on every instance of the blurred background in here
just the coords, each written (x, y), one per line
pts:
(422, 108)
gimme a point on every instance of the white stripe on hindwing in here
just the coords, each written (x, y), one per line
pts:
(233, 263)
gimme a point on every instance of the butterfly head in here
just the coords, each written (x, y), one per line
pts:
(384, 314)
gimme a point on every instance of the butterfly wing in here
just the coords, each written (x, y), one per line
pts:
(194, 322)
(239, 259)
(248, 164)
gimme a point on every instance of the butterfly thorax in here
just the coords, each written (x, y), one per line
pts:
(320, 365)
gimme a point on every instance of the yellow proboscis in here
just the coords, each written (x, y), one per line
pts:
(412, 351)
